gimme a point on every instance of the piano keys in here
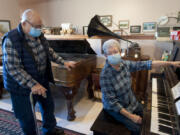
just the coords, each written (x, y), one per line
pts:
(162, 105)
(162, 119)
(160, 113)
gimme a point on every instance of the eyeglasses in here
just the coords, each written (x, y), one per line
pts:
(35, 26)
(113, 52)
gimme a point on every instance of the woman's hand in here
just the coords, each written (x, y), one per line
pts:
(136, 119)
(176, 64)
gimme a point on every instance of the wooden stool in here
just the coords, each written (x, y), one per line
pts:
(107, 125)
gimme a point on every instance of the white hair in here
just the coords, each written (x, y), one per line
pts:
(26, 15)
(110, 43)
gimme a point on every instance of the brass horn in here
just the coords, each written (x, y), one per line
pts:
(96, 28)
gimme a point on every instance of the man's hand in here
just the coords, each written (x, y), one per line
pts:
(69, 64)
(39, 89)
(136, 119)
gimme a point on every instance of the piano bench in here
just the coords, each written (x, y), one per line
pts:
(107, 125)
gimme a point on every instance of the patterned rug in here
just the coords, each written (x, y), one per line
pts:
(10, 126)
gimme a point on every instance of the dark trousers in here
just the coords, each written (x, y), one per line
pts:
(23, 112)
(133, 127)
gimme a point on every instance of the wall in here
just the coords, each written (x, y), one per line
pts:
(9, 10)
(79, 12)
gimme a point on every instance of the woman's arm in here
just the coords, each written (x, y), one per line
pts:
(135, 118)
(157, 64)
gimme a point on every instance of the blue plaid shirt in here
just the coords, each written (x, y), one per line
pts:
(116, 85)
(13, 62)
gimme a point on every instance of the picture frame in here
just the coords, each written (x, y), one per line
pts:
(178, 18)
(163, 31)
(149, 26)
(5, 26)
(85, 30)
(118, 32)
(123, 24)
(135, 29)
(106, 20)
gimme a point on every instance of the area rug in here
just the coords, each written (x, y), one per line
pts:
(10, 126)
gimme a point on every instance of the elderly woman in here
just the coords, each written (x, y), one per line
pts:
(118, 99)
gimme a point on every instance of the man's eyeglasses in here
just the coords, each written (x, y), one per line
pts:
(35, 26)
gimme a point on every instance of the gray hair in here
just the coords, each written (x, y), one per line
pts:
(26, 15)
(110, 43)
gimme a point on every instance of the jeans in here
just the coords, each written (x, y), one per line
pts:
(133, 127)
(23, 112)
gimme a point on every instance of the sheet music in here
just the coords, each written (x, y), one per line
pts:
(178, 107)
(176, 91)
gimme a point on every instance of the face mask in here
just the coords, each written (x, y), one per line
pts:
(34, 32)
(114, 59)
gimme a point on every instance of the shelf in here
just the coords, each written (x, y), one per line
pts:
(83, 37)
(140, 36)
(66, 37)
(165, 39)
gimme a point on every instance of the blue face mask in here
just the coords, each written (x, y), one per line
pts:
(34, 32)
(114, 59)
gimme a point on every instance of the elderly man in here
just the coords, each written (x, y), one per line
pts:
(27, 68)
(115, 81)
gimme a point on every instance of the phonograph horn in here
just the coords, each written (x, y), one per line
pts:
(96, 28)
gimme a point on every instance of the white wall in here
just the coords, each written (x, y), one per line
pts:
(79, 12)
(10, 10)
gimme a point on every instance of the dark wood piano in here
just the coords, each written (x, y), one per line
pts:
(73, 48)
(160, 114)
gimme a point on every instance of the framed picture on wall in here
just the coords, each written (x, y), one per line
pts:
(135, 29)
(179, 16)
(85, 30)
(106, 20)
(119, 32)
(163, 31)
(5, 26)
(124, 24)
(149, 26)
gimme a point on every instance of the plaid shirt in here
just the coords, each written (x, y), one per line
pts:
(116, 85)
(15, 68)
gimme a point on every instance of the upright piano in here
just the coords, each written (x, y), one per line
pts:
(161, 113)
(73, 48)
